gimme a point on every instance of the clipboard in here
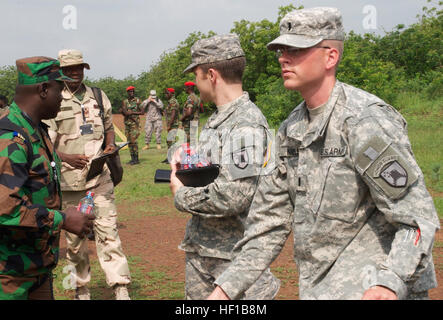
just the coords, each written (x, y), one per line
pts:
(97, 164)
(198, 177)
(162, 176)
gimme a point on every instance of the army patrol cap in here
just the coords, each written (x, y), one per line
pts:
(153, 93)
(216, 48)
(71, 57)
(35, 70)
(306, 28)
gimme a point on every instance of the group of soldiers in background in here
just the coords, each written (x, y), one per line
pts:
(132, 108)
(78, 129)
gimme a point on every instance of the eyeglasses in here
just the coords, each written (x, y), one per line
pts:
(294, 52)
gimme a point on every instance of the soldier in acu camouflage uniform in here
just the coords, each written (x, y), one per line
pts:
(132, 110)
(346, 180)
(191, 112)
(235, 137)
(172, 112)
(79, 133)
(153, 107)
(31, 218)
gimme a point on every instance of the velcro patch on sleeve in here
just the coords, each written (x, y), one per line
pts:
(242, 164)
(379, 161)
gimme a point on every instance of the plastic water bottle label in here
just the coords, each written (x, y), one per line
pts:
(85, 208)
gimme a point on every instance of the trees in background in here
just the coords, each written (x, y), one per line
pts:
(404, 59)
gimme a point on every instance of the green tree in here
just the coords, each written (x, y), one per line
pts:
(115, 89)
(419, 48)
(167, 72)
(8, 81)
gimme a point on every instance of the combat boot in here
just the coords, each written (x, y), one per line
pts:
(159, 146)
(121, 292)
(135, 159)
(82, 293)
(132, 159)
(146, 147)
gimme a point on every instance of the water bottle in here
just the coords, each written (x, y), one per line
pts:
(190, 159)
(86, 204)
(185, 157)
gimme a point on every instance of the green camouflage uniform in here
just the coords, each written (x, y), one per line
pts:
(132, 124)
(172, 105)
(31, 219)
(193, 102)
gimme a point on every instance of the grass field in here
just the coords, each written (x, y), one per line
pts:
(141, 202)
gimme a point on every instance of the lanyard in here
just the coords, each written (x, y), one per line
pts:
(51, 159)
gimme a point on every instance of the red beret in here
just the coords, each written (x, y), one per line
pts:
(189, 84)
(170, 90)
(130, 88)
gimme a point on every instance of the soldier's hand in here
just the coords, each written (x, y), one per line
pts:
(109, 148)
(77, 222)
(175, 183)
(78, 161)
(218, 294)
(379, 293)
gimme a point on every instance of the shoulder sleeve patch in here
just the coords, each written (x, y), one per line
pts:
(385, 168)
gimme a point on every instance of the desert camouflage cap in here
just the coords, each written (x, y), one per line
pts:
(35, 70)
(306, 28)
(71, 57)
(216, 48)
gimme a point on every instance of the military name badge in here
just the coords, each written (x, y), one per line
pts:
(86, 129)
(333, 152)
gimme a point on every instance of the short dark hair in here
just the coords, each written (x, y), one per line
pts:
(231, 70)
(4, 99)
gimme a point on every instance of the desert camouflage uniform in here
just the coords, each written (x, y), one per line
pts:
(65, 133)
(192, 102)
(132, 123)
(352, 191)
(235, 137)
(172, 105)
(31, 219)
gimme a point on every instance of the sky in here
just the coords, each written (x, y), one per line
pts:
(119, 38)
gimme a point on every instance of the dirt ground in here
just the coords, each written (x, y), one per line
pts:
(155, 238)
